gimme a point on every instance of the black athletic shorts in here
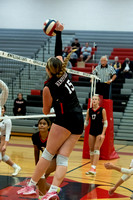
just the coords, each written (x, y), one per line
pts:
(95, 134)
(72, 121)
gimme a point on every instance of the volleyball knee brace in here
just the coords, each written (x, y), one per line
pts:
(46, 155)
(127, 171)
(62, 160)
(130, 172)
(125, 177)
(5, 158)
(91, 153)
(96, 152)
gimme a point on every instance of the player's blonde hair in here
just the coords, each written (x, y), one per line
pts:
(56, 66)
(96, 95)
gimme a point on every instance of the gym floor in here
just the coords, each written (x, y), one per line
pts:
(77, 185)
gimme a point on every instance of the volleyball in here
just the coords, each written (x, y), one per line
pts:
(49, 27)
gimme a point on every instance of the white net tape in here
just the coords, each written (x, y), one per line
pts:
(31, 116)
(43, 64)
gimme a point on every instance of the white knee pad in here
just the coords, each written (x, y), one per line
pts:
(131, 164)
(125, 177)
(127, 171)
(5, 158)
(96, 152)
(91, 153)
(62, 160)
(47, 155)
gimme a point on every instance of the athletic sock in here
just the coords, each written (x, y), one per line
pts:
(54, 188)
(32, 182)
(43, 176)
(93, 166)
(15, 166)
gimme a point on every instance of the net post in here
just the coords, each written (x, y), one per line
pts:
(94, 86)
(92, 83)
(93, 89)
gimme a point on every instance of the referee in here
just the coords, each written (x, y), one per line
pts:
(107, 75)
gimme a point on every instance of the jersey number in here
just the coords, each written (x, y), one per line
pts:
(69, 86)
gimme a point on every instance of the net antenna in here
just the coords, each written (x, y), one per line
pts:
(19, 58)
(93, 89)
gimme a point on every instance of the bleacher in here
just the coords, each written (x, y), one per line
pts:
(22, 42)
(26, 79)
(17, 75)
(105, 41)
(125, 127)
(122, 53)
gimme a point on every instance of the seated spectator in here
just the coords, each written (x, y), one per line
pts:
(86, 52)
(73, 59)
(65, 52)
(76, 45)
(127, 68)
(116, 65)
(76, 54)
(69, 66)
(19, 105)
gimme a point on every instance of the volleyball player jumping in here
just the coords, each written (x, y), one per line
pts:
(98, 127)
(68, 124)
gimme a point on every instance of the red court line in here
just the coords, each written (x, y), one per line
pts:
(125, 153)
(75, 149)
(21, 145)
(31, 146)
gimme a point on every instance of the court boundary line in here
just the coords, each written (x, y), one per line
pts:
(122, 147)
(78, 167)
(102, 181)
(75, 149)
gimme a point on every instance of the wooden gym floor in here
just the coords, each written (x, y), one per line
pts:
(77, 185)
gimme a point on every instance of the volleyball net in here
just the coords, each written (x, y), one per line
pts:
(27, 76)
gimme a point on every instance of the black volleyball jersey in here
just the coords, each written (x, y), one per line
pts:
(63, 93)
(96, 127)
(36, 139)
